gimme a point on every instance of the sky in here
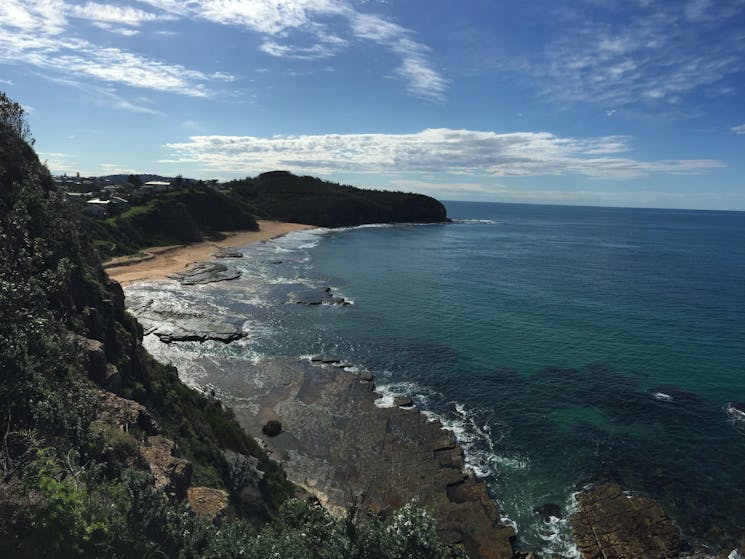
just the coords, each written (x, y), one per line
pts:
(636, 103)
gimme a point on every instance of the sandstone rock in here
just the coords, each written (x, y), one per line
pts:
(172, 474)
(207, 272)
(403, 401)
(125, 414)
(207, 502)
(339, 445)
(272, 428)
(612, 525)
(228, 252)
(178, 324)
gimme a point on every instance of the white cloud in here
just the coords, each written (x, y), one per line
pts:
(109, 13)
(432, 151)
(739, 129)
(284, 21)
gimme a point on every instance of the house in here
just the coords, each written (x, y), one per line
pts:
(157, 186)
(102, 208)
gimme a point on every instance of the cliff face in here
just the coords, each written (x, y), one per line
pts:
(287, 197)
(93, 427)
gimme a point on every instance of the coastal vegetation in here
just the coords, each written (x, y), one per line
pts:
(183, 216)
(286, 197)
(103, 449)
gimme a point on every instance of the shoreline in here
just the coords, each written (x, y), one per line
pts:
(159, 263)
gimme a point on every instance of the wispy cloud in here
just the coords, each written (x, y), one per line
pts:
(656, 53)
(431, 151)
(110, 13)
(34, 33)
(739, 129)
(299, 29)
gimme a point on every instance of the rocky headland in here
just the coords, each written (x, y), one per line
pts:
(323, 427)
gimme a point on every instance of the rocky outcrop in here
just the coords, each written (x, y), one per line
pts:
(343, 449)
(171, 473)
(125, 414)
(611, 524)
(312, 297)
(206, 272)
(207, 502)
(227, 252)
(175, 324)
(246, 480)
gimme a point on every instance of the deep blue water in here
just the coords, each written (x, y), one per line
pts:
(565, 345)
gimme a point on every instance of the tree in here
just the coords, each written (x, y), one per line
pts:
(13, 119)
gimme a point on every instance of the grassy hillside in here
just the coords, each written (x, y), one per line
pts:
(287, 197)
(182, 216)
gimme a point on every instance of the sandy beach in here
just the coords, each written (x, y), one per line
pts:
(159, 263)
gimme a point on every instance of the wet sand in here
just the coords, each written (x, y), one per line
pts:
(158, 263)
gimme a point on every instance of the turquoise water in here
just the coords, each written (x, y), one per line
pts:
(565, 345)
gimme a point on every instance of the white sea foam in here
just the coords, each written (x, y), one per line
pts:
(476, 221)
(734, 413)
(555, 533)
(661, 396)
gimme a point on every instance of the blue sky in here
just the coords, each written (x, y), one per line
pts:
(599, 102)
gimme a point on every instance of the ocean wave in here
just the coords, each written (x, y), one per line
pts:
(556, 533)
(736, 416)
(662, 396)
(476, 221)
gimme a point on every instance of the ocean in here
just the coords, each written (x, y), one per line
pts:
(563, 345)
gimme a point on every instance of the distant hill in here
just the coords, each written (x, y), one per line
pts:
(302, 199)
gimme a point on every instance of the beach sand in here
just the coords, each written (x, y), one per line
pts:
(158, 263)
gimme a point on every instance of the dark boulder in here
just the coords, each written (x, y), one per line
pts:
(272, 428)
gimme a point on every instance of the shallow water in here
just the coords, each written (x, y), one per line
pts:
(563, 345)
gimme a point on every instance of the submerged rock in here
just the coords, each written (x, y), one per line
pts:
(611, 524)
(312, 297)
(548, 510)
(206, 272)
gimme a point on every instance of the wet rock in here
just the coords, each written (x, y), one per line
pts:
(272, 428)
(611, 524)
(546, 511)
(313, 297)
(403, 401)
(207, 502)
(207, 272)
(228, 252)
(365, 376)
(341, 447)
(180, 325)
